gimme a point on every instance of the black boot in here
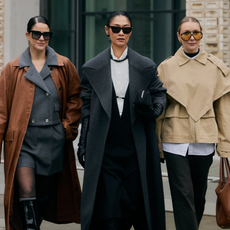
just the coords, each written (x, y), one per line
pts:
(41, 207)
(30, 214)
(40, 212)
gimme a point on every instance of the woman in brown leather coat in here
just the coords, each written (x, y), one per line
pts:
(39, 117)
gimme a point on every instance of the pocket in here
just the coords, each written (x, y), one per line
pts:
(177, 110)
(208, 125)
(56, 116)
(209, 114)
(176, 121)
(61, 131)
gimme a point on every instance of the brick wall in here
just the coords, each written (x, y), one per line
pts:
(214, 18)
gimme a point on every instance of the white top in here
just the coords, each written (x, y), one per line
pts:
(120, 77)
(198, 149)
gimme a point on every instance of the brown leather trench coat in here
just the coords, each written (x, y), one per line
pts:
(16, 100)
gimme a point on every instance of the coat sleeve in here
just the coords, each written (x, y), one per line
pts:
(159, 124)
(150, 103)
(157, 91)
(222, 112)
(85, 95)
(159, 120)
(73, 105)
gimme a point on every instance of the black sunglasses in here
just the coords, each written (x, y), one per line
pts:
(37, 34)
(188, 34)
(116, 29)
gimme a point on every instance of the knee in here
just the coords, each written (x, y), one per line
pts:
(27, 191)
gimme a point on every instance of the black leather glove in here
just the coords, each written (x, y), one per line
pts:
(143, 101)
(82, 142)
(158, 109)
(144, 106)
(162, 160)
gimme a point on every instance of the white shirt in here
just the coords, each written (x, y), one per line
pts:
(197, 149)
(120, 77)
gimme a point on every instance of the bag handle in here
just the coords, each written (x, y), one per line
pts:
(222, 161)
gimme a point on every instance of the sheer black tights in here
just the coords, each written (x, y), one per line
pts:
(32, 185)
(25, 177)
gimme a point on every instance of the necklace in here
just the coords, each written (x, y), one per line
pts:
(119, 60)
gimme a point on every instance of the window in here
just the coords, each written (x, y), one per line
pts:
(62, 18)
(154, 26)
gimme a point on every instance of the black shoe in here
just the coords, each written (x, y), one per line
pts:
(41, 208)
(30, 215)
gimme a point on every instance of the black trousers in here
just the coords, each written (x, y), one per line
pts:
(139, 223)
(188, 184)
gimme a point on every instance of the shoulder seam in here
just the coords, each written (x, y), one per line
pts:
(217, 62)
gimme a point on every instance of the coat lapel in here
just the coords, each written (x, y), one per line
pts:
(45, 72)
(33, 76)
(102, 87)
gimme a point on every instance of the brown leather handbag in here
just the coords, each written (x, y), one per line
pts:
(223, 196)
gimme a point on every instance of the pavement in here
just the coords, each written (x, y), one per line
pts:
(208, 221)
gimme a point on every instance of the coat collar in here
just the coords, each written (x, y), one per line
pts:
(182, 59)
(31, 72)
(99, 68)
(51, 59)
(123, 56)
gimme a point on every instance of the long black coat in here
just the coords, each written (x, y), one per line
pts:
(97, 101)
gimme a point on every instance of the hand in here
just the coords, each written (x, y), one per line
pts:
(162, 160)
(143, 101)
(158, 109)
(81, 155)
(82, 142)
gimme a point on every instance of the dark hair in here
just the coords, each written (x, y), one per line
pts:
(188, 19)
(117, 13)
(35, 20)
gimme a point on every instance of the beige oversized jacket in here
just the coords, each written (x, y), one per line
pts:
(198, 108)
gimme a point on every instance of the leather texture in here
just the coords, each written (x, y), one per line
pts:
(223, 196)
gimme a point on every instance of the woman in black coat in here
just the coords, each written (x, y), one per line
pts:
(122, 97)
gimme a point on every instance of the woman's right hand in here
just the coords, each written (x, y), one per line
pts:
(82, 142)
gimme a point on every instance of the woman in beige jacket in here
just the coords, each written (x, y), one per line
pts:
(195, 122)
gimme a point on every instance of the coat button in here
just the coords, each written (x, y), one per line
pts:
(33, 121)
(47, 94)
(47, 120)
